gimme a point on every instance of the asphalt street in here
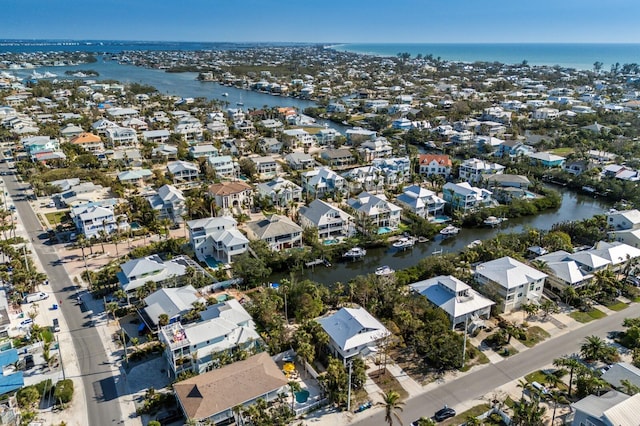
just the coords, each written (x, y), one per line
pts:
(484, 380)
(99, 385)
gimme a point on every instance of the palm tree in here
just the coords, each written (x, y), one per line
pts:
(392, 403)
(629, 388)
(572, 363)
(593, 348)
(295, 387)
(558, 398)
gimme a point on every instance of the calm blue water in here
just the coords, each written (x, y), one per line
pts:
(579, 56)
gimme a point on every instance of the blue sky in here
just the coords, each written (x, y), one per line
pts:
(368, 21)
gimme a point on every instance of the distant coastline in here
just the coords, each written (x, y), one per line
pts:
(580, 56)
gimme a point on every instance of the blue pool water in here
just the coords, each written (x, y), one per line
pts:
(529, 194)
(302, 396)
(440, 219)
(212, 263)
(134, 226)
(384, 230)
(329, 242)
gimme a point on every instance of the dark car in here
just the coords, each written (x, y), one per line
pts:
(444, 414)
(168, 417)
(28, 362)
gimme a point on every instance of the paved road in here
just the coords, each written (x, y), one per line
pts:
(99, 385)
(484, 380)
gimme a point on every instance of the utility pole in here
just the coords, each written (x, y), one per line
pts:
(464, 341)
(60, 354)
(349, 388)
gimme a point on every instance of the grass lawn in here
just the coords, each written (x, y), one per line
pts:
(462, 417)
(618, 306)
(387, 382)
(507, 350)
(584, 317)
(535, 335)
(562, 151)
(539, 376)
(55, 218)
(474, 357)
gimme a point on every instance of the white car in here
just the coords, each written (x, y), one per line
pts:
(26, 323)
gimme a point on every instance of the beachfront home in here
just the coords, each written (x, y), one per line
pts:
(463, 196)
(221, 330)
(330, 221)
(279, 232)
(510, 283)
(183, 171)
(474, 170)
(434, 164)
(375, 212)
(228, 196)
(421, 201)
(213, 396)
(322, 182)
(169, 203)
(280, 192)
(456, 298)
(216, 238)
(353, 332)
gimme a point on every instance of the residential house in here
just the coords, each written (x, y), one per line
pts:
(89, 142)
(270, 145)
(121, 136)
(189, 129)
(137, 272)
(474, 170)
(183, 171)
(223, 328)
(625, 226)
(496, 114)
(92, 220)
(545, 113)
(174, 302)
(376, 148)
(280, 191)
(279, 232)
(330, 221)
(375, 212)
(367, 178)
(228, 196)
(213, 396)
(510, 283)
(322, 182)
(203, 151)
(70, 131)
(619, 372)
(216, 238)
(135, 177)
(434, 164)
(83, 193)
(156, 136)
(611, 409)
(300, 137)
(326, 136)
(169, 202)
(102, 125)
(463, 196)
(265, 166)
(165, 152)
(353, 332)
(421, 201)
(513, 149)
(338, 158)
(566, 270)
(224, 166)
(546, 159)
(396, 170)
(356, 135)
(461, 303)
(11, 380)
(506, 188)
(128, 157)
(299, 161)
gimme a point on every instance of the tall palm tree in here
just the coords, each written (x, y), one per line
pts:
(593, 348)
(295, 387)
(572, 363)
(392, 404)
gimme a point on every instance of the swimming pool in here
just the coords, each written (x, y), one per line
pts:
(329, 242)
(440, 219)
(384, 230)
(530, 195)
(212, 263)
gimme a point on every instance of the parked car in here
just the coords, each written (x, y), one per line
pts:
(56, 325)
(444, 414)
(36, 297)
(28, 362)
(26, 322)
(633, 280)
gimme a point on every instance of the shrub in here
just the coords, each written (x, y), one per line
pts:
(27, 396)
(154, 423)
(63, 391)
(44, 386)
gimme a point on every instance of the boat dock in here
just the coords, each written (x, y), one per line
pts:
(317, 262)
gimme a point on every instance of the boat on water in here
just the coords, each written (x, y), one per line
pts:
(225, 94)
(493, 221)
(474, 243)
(355, 253)
(49, 74)
(422, 239)
(404, 242)
(449, 230)
(239, 103)
(384, 270)
(36, 75)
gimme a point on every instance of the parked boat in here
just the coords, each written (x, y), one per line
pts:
(474, 243)
(449, 230)
(225, 94)
(239, 103)
(404, 242)
(422, 239)
(384, 270)
(493, 221)
(355, 253)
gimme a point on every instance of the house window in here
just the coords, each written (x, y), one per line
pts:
(531, 287)
(519, 294)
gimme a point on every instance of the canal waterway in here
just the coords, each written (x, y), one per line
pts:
(574, 207)
(183, 84)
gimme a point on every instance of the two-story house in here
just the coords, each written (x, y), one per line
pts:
(330, 221)
(322, 182)
(231, 197)
(217, 238)
(463, 196)
(183, 171)
(474, 170)
(421, 201)
(169, 202)
(279, 232)
(434, 164)
(625, 226)
(375, 212)
(224, 166)
(280, 191)
(89, 142)
(121, 136)
(91, 220)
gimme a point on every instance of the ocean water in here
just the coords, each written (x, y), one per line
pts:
(578, 56)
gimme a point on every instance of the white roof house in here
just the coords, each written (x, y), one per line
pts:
(612, 408)
(330, 221)
(353, 332)
(421, 201)
(136, 272)
(217, 238)
(171, 301)
(455, 297)
(513, 281)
